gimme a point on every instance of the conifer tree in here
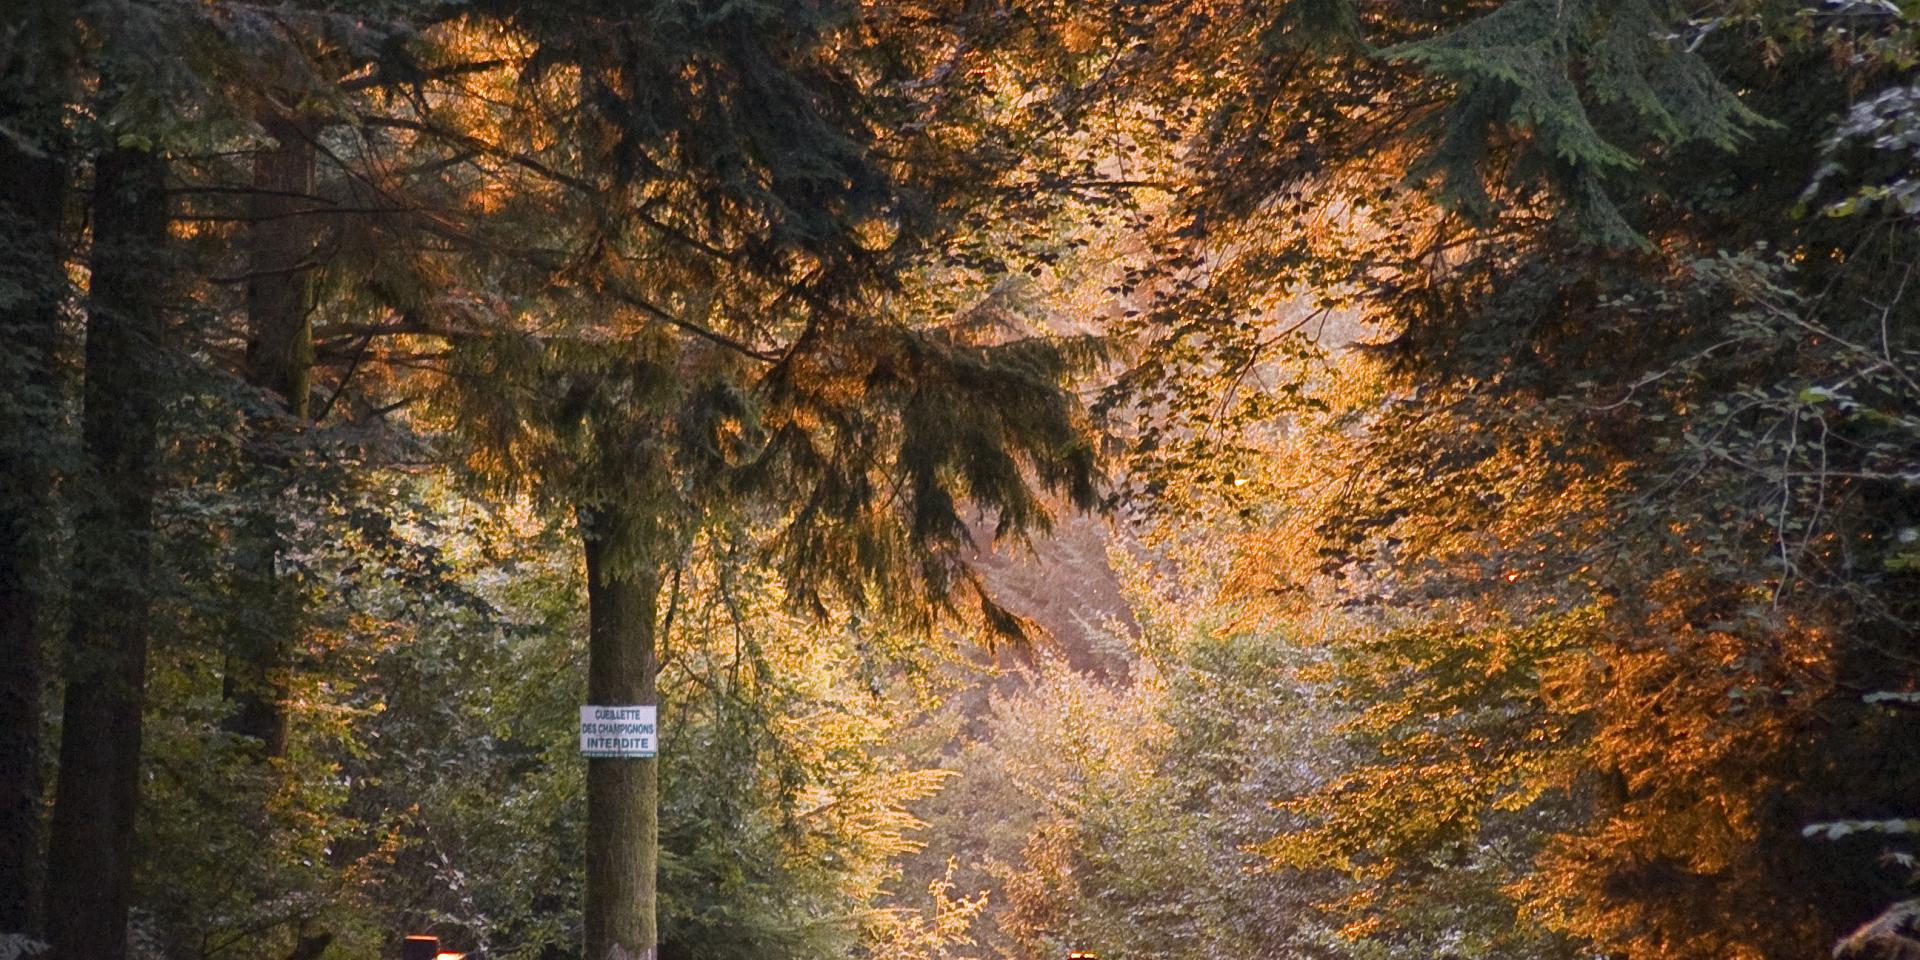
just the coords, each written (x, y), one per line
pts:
(90, 848)
(281, 246)
(34, 85)
(708, 318)
(863, 461)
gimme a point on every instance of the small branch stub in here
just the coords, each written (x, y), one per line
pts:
(619, 732)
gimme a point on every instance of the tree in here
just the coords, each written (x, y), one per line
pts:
(774, 252)
(33, 292)
(637, 500)
(281, 250)
(754, 363)
(90, 847)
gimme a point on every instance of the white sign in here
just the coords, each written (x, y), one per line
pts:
(620, 732)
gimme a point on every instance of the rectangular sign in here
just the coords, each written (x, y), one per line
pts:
(620, 732)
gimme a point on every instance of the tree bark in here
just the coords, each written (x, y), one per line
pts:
(280, 247)
(32, 198)
(90, 843)
(623, 796)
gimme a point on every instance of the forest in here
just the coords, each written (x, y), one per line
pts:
(960, 479)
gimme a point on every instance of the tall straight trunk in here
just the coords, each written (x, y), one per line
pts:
(280, 245)
(32, 195)
(90, 844)
(623, 795)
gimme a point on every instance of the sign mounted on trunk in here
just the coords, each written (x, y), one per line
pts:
(620, 732)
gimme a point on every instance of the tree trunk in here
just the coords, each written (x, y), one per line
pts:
(32, 195)
(90, 845)
(623, 796)
(280, 247)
